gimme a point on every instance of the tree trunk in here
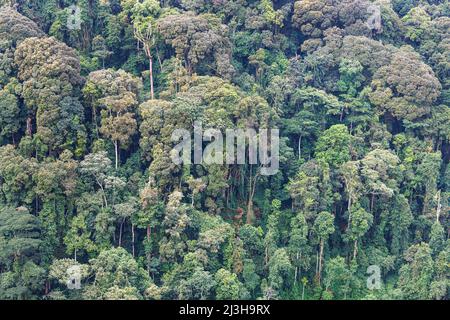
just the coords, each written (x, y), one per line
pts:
(132, 238)
(355, 249)
(116, 149)
(317, 263)
(349, 209)
(29, 128)
(149, 232)
(94, 119)
(266, 256)
(300, 147)
(250, 211)
(320, 260)
(372, 202)
(150, 69)
(439, 206)
(120, 232)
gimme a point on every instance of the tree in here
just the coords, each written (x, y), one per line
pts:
(228, 286)
(196, 38)
(20, 233)
(378, 168)
(14, 28)
(10, 120)
(115, 93)
(353, 184)
(176, 219)
(311, 189)
(313, 17)
(21, 276)
(198, 286)
(97, 165)
(144, 20)
(196, 186)
(124, 211)
(17, 26)
(50, 72)
(250, 276)
(416, 275)
(100, 49)
(437, 238)
(117, 275)
(428, 170)
(393, 85)
(333, 146)
(398, 224)
(323, 227)
(272, 233)
(337, 277)
(16, 173)
(360, 224)
(61, 271)
(147, 217)
(298, 245)
(279, 269)
(78, 237)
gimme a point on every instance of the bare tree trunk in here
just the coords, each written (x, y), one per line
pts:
(266, 258)
(149, 231)
(120, 232)
(439, 206)
(372, 202)
(355, 249)
(249, 211)
(349, 209)
(94, 119)
(158, 56)
(317, 262)
(300, 147)
(320, 260)
(150, 69)
(29, 127)
(303, 293)
(132, 239)
(116, 147)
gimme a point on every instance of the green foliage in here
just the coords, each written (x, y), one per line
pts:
(87, 181)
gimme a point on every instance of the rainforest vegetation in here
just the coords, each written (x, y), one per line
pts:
(91, 91)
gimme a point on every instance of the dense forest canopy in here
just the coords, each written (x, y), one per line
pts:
(92, 90)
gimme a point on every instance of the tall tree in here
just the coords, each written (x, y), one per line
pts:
(323, 227)
(115, 94)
